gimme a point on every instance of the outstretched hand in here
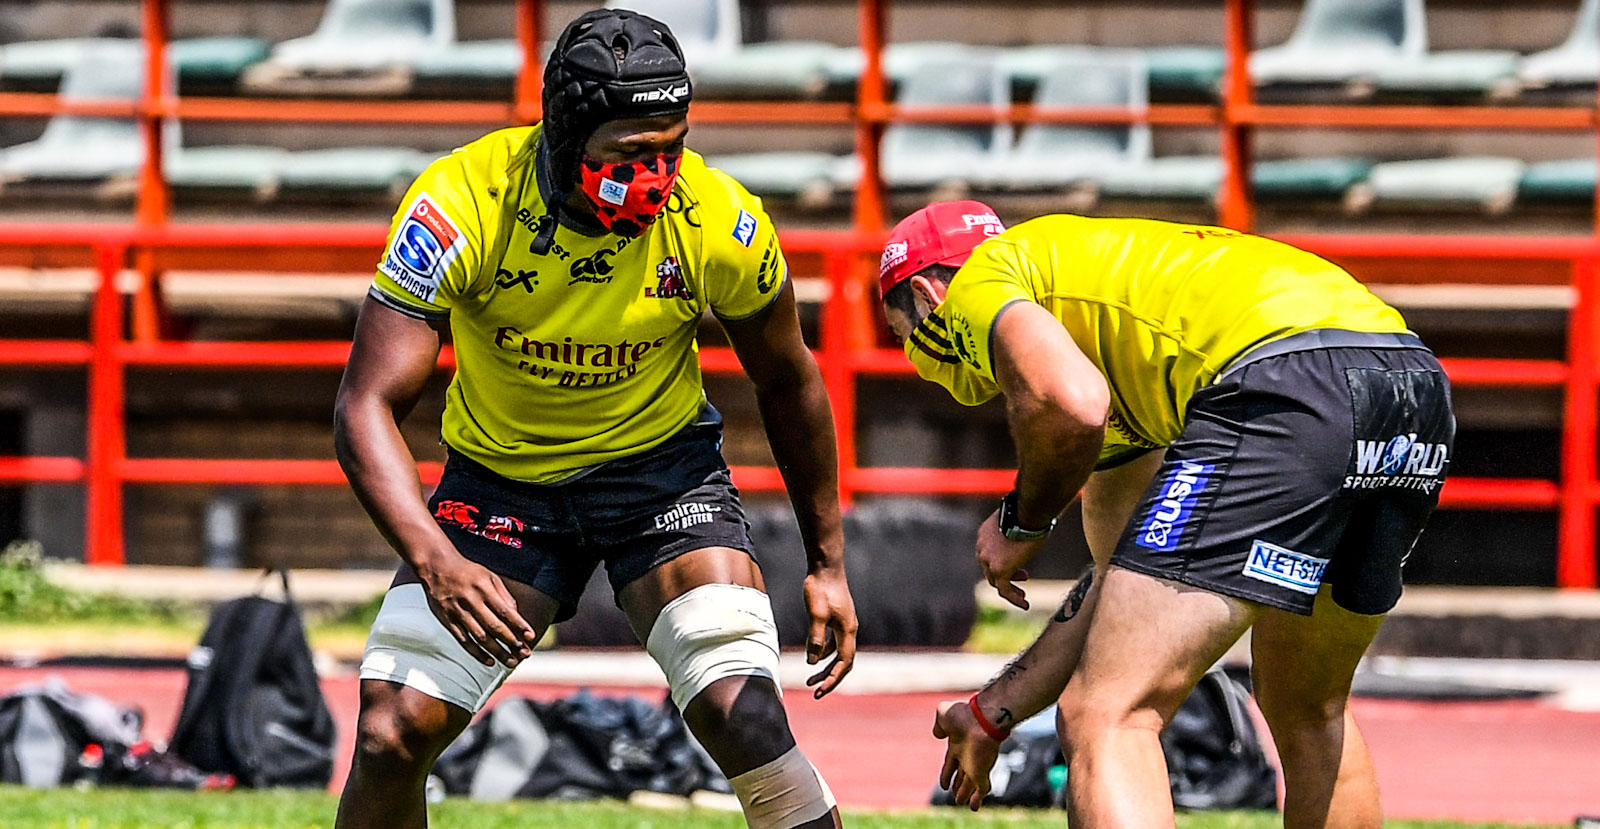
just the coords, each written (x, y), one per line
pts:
(969, 754)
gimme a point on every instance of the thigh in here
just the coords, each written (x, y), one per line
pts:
(1300, 664)
(1149, 642)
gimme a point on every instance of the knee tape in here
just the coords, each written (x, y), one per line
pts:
(784, 793)
(713, 632)
(408, 645)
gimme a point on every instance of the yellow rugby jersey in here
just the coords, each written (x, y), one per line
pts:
(1159, 308)
(584, 354)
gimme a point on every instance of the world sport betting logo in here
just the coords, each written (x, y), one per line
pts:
(1401, 462)
(422, 248)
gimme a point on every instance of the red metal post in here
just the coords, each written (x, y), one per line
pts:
(1233, 202)
(1575, 556)
(530, 79)
(107, 445)
(871, 97)
(838, 370)
(154, 198)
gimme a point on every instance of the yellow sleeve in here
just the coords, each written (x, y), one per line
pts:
(744, 266)
(435, 245)
(996, 276)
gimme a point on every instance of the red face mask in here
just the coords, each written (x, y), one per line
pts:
(628, 196)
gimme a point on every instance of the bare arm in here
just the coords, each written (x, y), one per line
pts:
(390, 362)
(799, 426)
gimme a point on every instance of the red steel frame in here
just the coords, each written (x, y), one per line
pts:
(122, 337)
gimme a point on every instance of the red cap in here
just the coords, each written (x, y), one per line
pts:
(943, 233)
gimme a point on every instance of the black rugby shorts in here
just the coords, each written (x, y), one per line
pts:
(631, 514)
(1312, 460)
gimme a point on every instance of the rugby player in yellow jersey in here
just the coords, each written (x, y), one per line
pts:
(1258, 441)
(571, 264)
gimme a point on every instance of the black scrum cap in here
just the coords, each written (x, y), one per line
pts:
(608, 64)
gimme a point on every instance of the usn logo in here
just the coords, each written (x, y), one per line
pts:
(1163, 529)
(1285, 568)
(745, 229)
(422, 248)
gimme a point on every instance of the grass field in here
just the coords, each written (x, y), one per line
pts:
(138, 809)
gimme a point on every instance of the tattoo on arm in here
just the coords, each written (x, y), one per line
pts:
(1074, 600)
(1010, 672)
(1004, 717)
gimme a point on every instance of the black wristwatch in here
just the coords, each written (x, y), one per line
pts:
(1014, 531)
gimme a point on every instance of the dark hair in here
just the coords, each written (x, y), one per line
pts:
(903, 299)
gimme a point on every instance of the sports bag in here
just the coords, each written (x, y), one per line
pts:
(580, 747)
(44, 730)
(253, 707)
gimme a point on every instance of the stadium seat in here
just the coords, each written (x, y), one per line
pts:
(472, 60)
(1052, 155)
(387, 170)
(1467, 73)
(804, 176)
(225, 168)
(377, 39)
(41, 63)
(928, 155)
(1185, 72)
(1197, 178)
(1487, 183)
(704, 28)
(776, 69)
(844, 66)
(1339, 41)
(1559, 182)
(1575, 62)
(86, 148)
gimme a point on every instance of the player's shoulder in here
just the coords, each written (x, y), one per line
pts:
(483, 161)
(731, 219)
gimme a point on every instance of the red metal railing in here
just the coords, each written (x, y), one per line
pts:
(121, 338)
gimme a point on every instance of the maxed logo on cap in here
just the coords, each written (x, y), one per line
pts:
(1401, 462)
(1163, 527)
(422, 248)
(670, 94)
(745, 228)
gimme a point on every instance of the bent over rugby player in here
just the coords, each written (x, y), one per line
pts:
(1258, 441)
(571, 264)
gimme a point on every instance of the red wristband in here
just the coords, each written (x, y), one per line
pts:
(989, 728)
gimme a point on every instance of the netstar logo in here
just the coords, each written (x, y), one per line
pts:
(1281, 566)
(1163, 529)
(670, 94)
(989, 222)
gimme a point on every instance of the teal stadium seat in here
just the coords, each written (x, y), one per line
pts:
(476, 60)
(1464, 73)
(1197, 178)
(1343, 41)
(1486, 183)
(1559, 182)
(41, 63)
(352, 170)
(360, 46)
(1575, 63)
(929, 155)
(1049, 156)
(88, 148)
(1185, 72)
(230, 169)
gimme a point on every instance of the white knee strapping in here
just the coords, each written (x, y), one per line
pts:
(782, 794)
(408, 645)
(713, 632)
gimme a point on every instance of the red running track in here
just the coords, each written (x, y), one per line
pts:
(1517, 761)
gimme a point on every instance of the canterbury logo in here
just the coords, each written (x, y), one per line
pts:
(670, 94)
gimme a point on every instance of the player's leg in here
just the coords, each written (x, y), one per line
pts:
(1302, 667)
(706, 619)
(419, 689)
(1149, 643)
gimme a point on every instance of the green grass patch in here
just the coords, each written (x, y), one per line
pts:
(998, 630)
(141, 808)
(27, 596)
